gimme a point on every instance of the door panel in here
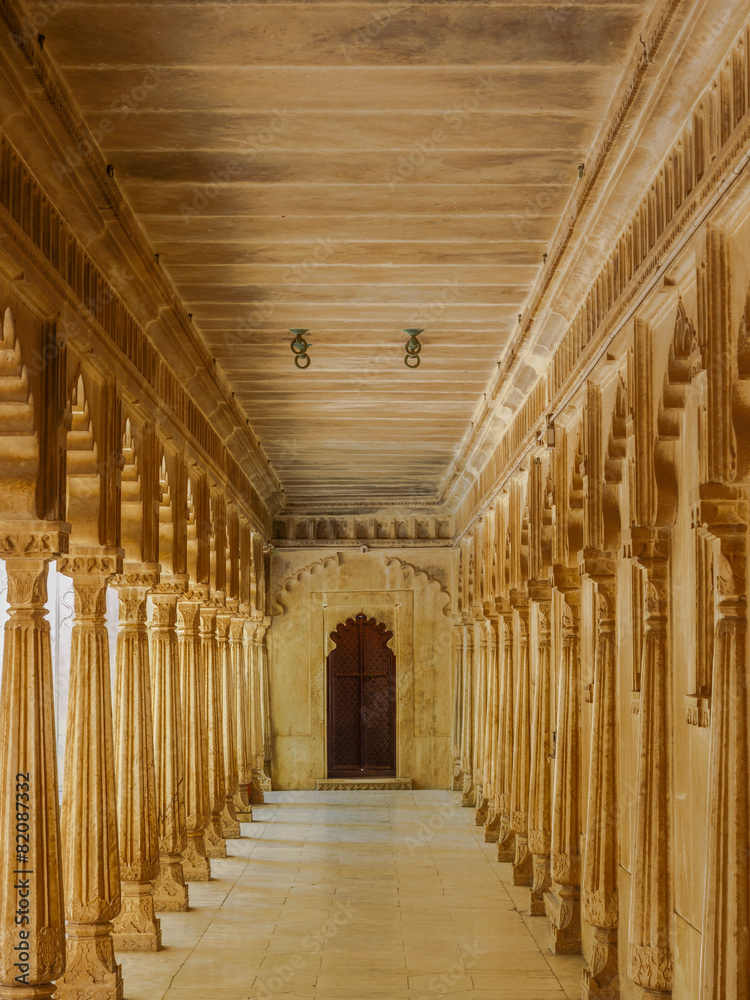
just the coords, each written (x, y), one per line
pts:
(361, 702)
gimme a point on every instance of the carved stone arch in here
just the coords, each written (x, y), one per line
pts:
(615, 462)
(412, 573)
(131, 494)
(576, 496)
(280, 600)
(683, 363)
(84, 473)
(166, 516)
(19, 442)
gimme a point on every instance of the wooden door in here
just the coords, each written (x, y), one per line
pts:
(361, 701)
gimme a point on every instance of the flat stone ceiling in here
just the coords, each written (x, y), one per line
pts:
(352, 168)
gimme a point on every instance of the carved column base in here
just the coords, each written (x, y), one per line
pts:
(195, 865)
(242, 808)
(563, 906)
(541, 885)
(492, 826)
(506, 843)
(265, 778)
(216, 846)
(480, 815)
(230, 827)
(458, 777)
(170, 891)
(91, 972)
(256, 791)
(468, 792)
(522, 868)
(601, 979)
(136, 927)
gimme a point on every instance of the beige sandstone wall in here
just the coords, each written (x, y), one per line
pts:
(315, 589)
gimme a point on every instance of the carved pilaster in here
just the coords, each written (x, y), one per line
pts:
(651, 899)
(725, 942)
(136, 928)
(563, 903)
(196, 866)
(89, 811)
(506, 841)
(243, 809)
(265, 688)
(170, 891)
(540, 778)
(216, 845)
(229, 824)
(600, 897)
(522, 867)
(35, 947)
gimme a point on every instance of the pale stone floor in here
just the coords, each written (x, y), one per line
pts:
(356, 895)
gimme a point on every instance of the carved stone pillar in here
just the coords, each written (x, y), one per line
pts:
(170, 891)
(522, 866)
(651, 897)
(506, 839)
(563, 903)
(229, 825)
(265, 688)
(492, 824)
(540, 781)
(32, 947)
(600, 895)
(725, 941)
(196, 866)
(136, 928)
(243, 809)
(253, 667)
(216, 845)
(458, 651)
(468, 792)
(91, 865)
(481, 716)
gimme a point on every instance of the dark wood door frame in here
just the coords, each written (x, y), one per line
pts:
(361, 698)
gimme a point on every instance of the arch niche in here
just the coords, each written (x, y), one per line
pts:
(361, 700)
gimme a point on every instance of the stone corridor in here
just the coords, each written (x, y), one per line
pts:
(355, 895)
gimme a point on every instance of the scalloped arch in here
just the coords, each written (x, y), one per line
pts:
(431, 580)
(295, 578)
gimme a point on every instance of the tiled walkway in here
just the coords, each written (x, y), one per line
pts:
(355, 895)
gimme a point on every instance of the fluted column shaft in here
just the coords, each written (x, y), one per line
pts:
(506, 838)
(522, 867)
(252, 667)
(89, 812)
(492, 824)
(32, 934)
(725, 941)
(458, 650)
(136, 928)
(600, 893)
(229, 824)
(481, 715)
(265, 687)
(563, 903)
(170, 891)
(243, 809)
(468, 792)
(216, 845)
(540, 780)
(651, 898)
(196, 866)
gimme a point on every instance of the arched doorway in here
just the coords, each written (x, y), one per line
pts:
(361, 700)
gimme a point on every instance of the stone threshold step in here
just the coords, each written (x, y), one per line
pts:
(363, 784)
